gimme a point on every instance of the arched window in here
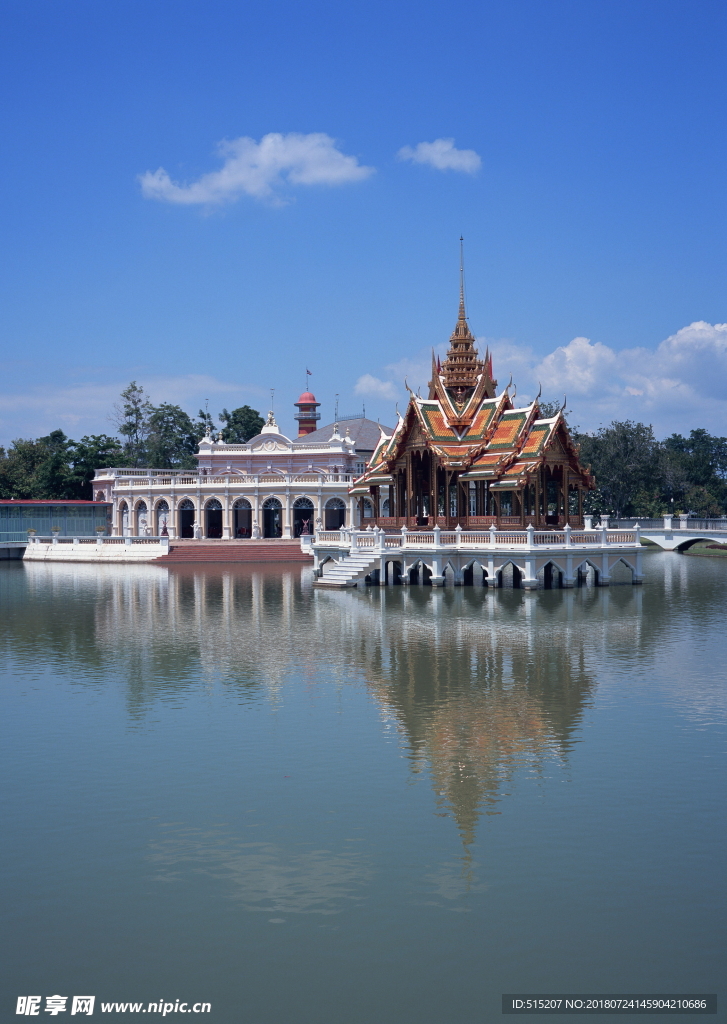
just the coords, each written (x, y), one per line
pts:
(186, 519)
(242, 519)
(142, 519)
(163, 518)
(213, 519)
(335, 514)
(272, 518)
(100, 496)
(368, 508)
(302, 517)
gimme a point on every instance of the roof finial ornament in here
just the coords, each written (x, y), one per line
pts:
(565, 400)
(540, 390)
(462, 314)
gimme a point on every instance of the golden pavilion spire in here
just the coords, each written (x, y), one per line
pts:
(461, 368)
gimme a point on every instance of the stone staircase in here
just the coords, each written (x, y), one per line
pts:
(189, 551)
(350, 570)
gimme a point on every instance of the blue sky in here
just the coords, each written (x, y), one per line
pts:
(144, 238)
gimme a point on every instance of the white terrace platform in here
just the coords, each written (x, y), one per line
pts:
(344, 558)
(95, 549)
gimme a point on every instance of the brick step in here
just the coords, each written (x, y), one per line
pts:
(234, 553)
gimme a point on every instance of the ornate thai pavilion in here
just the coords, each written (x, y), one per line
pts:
(465, 455)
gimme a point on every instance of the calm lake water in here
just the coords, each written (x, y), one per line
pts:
(379, 805)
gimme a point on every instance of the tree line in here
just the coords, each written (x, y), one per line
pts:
(56, 467)
(636, 475)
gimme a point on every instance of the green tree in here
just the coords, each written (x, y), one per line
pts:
(241, 424)
(205, 424)
(132, 420)
(97, 451)
(625, 459)
(172, 438)
(37, 468)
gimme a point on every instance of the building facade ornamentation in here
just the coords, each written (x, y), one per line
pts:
(271, 486)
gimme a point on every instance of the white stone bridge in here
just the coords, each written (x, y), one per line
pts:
(674, 533)
(530, 558)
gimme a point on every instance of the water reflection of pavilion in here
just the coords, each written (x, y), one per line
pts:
(479, 686)
(480, 689)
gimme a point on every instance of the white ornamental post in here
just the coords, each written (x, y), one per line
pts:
(604, 537)
(458, 535)
(437, 531)
(531, 537)
(404, 533)
(588, 522)
(493, 534)
(567, 532)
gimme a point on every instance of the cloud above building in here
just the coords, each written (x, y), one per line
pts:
(676, 386)
(261, 170)
(442, 155)
(374, 387)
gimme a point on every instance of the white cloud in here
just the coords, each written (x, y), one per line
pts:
(259, 169)
(676, 386)
(369, 385)
(679, 385)
(442, 155)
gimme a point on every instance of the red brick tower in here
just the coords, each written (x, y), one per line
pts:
(307, 415)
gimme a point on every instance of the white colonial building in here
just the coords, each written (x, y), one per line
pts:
(271, 486)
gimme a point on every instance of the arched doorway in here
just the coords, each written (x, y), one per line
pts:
(142, 519)
(242, 518)
(163, 519)
(213, 519)
(272, 518)
(335, 514)
(124, 519)
(186, 519)
(302, 516)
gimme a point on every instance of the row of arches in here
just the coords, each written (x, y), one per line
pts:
(510, 575)
(159, 521)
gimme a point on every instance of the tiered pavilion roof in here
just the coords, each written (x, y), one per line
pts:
(467, 455)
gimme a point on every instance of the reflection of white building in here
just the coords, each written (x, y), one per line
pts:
(271, 486)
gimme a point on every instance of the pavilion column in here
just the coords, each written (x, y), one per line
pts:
(226, 512)
(433, 486)
(287, 516)
(408, 512)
